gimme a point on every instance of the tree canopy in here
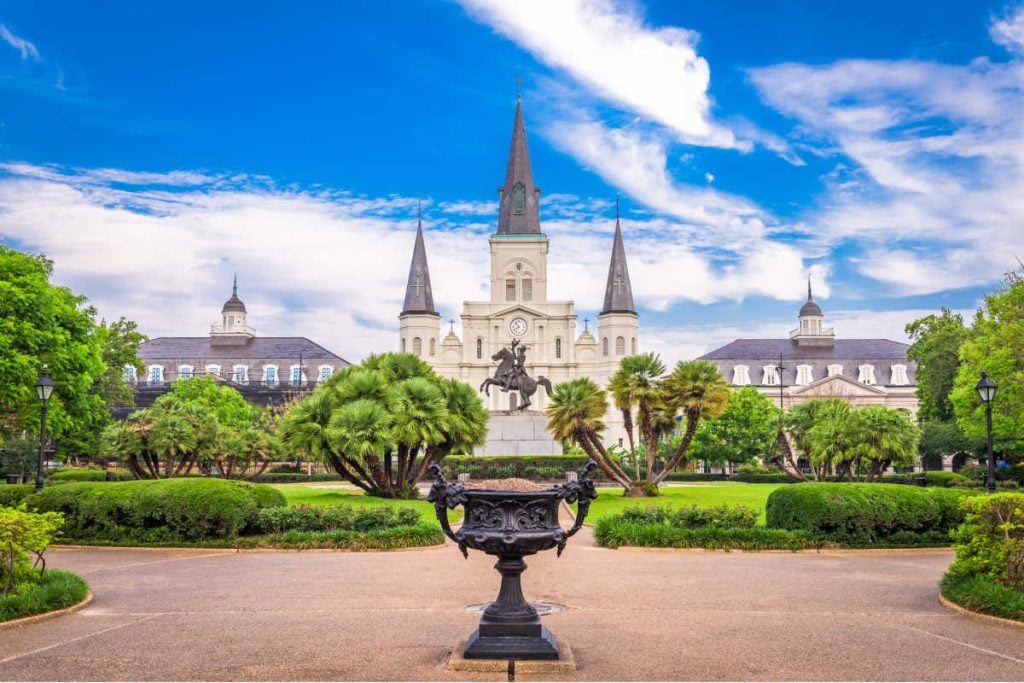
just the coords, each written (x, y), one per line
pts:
(936, 350)
(382, 423)
(744, 431)
(41, 323)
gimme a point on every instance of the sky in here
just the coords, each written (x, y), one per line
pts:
(154, 150)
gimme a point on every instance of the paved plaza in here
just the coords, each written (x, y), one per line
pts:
(631, 614)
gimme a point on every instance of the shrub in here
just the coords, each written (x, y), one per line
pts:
(520, 466)
(13, 495)
(981, 594)
(613, 531)
(55, 590)
(405, 536)
(165, 510)
(22, 533)
(337, 517)
(65, 475)
(295, 477)
(866, 514)
(941, 478)
(990, 542)
(692, 517)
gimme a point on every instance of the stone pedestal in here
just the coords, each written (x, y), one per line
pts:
(525, 432)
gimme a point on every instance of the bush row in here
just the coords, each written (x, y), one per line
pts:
(72, 474)
(13, 495)
(392, 538)
(692, 517)
(333, 518)
(166, 510)
(612, 531)
(867, 514)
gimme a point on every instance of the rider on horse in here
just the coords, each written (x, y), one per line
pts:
(518, 369)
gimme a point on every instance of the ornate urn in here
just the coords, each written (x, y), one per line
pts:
(511, 525)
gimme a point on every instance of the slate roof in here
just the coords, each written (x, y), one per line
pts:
(618, 293)
(419, 297)
(850, 353)
(258, 348)
(519, 172)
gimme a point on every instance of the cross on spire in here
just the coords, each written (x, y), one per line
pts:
(418, 285)
(519, 88)
(451, 325)
(586, 324)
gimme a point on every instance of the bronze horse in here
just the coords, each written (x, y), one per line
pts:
(520, 381)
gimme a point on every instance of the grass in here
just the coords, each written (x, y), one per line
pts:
(980, 594)
(58, 590)
(329, 494)
(610, 500)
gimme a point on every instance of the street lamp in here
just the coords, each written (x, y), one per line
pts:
(986, 388)
(44, 389)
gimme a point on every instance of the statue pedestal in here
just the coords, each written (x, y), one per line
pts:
(518, 432)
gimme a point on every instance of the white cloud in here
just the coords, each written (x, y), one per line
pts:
(655, 72)
(933, 197)
(1009, 30)
(330, 265)
(27, 49)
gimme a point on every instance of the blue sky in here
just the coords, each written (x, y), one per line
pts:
(155, 149)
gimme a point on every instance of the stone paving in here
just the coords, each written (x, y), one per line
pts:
(631, 614)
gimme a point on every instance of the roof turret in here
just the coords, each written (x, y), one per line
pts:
(810, 308)
(234, 304)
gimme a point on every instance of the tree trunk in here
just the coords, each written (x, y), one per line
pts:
(627, 422)
(692, 418)
(787, 456)
(582, 437)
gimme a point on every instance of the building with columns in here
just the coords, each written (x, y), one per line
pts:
(520, 307)
(813, 363)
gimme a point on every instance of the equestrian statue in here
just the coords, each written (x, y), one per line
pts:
(511, 375)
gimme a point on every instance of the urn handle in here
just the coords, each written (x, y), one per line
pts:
(581, 491)
(445, 495)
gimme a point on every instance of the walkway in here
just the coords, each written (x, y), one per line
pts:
(652, 615)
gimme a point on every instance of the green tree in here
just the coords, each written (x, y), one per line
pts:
(995, 344)
(637, 384)
(746, 430)
(382, 423)
(120, 342)
(41, 323)
(936, 350)
(576, 414)
(822, 446)
(885, 437)
(939, 439)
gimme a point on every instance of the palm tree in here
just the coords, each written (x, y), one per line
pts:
(886, 437)
(803, 417)
(574, 414)
(637, 383)
(697, 390)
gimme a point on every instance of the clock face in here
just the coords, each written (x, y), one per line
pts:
(518, 327)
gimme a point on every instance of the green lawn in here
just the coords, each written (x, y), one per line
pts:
(327, 494)
(610, 500)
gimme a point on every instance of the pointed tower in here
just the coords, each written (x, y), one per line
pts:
(519, 250)
(419, 321)
(810, 331)
(233, 330)
(618, 322)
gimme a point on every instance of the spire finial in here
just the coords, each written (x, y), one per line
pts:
(234, 287)
(616, 207)
(809, 288)
(419, 210)
(519, 88)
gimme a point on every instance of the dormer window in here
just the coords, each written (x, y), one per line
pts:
(129, 374)
(899, 375)
(740, 375)
(239, 373)
(270, 375)
(519, 199)
(770, 376)
(156, 374)
(184, 372)
(835, 370)
(325, 372)
(867, 374)
(804, 374)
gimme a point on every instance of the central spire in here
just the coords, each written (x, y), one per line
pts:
(519, 198)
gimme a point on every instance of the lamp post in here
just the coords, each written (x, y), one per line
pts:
(44, 389)
(986, 388)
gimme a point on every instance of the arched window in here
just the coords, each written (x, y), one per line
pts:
(620, 346)
(325, 372)
(770, 376)
(433, 346)
(633, 346)
(417, 346)
(804, 374)
(604, 346)
(510, 289)
(479, 347)
(867, 374)
(558, 347)
(270, 375)
(740, 375)
(519, 199)
(156, 374)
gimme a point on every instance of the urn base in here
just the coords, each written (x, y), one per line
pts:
(543, 646)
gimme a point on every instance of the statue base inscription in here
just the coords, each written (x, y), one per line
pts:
(520, 432)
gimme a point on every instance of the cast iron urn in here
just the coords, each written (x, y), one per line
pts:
(511, 525)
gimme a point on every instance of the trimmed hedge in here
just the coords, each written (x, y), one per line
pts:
(295, 477)
(391, 538)
(332, 518)
(73, 474)
(612, 531)
(13, 495)
(165, 510)
(867, 514)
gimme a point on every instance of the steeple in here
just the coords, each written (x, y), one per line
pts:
(518, 198)
(419, 297)
(618, 294)
(810, 308)
(234, 304)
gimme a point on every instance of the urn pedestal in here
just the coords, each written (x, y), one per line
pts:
(511, 525)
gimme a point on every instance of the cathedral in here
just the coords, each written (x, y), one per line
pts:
(519, 308)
